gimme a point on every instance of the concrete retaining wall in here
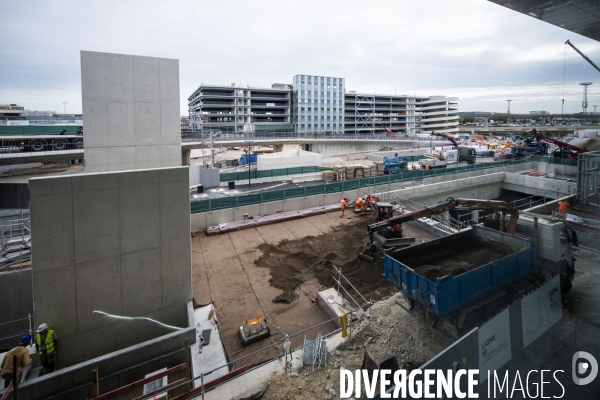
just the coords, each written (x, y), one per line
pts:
(538, 186)
(115, 369)
(17, 295)
(113, 242)
(552, 169)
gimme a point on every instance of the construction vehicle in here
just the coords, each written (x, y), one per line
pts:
(367, 203)
(464, 153)
(253, 330)
(389, 220)
(555, 241)
(394, 165)
(458, 282)
(564, 150)
(432, 163)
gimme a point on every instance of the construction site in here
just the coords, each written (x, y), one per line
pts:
(248, 254)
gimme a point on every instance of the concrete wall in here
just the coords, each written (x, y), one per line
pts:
(331, 149)
(554, 169)
(207, 177)
(114, 370)
(16, 290)
(287, 159)
(538, 186)
(131, 112)
(113, 242)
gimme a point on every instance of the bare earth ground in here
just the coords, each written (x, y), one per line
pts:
(275, 271)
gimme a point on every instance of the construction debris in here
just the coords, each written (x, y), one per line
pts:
(390, 334)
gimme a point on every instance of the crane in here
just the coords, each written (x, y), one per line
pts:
(389, 131)
(574, 150)
(450, 138)
(583, 55)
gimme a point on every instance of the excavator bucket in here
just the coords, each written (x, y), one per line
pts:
(367, 254)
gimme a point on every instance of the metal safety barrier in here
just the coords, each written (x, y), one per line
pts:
(220, 203)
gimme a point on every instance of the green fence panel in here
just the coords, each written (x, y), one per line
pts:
(336, 187)
(273, 195)
(249, 199)
(267, 173)
(382, 179)
(222, 203)
(199, 206)
(364, 182)
(351, 185)
(314, 190)
(294, 192)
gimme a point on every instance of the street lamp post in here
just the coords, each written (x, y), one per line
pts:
(249, 143)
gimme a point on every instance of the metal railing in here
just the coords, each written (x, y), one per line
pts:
(30, 145)
(323, 135)
(220, 203)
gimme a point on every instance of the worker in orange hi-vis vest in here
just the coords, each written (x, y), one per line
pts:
(343, 204)
(562, 206)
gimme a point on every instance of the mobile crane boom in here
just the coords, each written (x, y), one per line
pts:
(450, 138)
(539, 137)
(583, 55)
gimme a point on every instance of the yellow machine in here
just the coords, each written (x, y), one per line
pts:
(253, 330)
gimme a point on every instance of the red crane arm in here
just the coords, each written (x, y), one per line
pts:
(389, 131)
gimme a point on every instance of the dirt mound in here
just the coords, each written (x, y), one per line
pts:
(292, 262)
(455, 266)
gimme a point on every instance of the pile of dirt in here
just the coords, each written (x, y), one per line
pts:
(459, 265)
(390, 331)
(292, 262)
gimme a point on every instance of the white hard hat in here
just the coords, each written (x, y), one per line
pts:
(42, 327)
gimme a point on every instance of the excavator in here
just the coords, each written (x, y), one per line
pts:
(390, 226)
(463, 153)
(564, 150)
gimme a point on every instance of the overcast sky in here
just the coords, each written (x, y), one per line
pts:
(472, 49)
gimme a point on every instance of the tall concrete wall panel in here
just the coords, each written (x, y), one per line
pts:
(17, 292)
(131, 109)
(112, 242)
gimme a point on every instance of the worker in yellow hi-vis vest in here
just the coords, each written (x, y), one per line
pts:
(46, 344)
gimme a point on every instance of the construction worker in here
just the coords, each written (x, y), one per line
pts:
(46, 345)
(358, 203)
(366, 202)
(427, 168)
(343, 204)
(562, 206)
(23, 359)
(414, 168)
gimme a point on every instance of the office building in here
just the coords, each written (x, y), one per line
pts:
(318, 104)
